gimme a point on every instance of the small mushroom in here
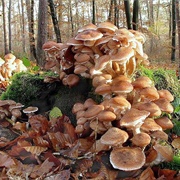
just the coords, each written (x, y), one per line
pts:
(29, 111)
(127, 158)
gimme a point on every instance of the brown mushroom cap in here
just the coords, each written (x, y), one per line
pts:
(164, 122)
(114, 136)
(106, 27)
(77, 107)
(93, 110)
(72, 80)
(141, 139)
(164, 93)
(133, 117)
(149, 93)
(165, 151)
(30, 109)
(164, 105)
(159, 135)
(148, 106)
(142, 82)
(150, 125)
(106, 115)
(87, 26)
(127, 158)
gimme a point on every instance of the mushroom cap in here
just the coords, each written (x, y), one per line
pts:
(159, 135)
(133, 117)
(81, 57)
(106, 27)
(141, 139)
(9, 57)
(49, 64)
(164, 93)
(127, 158)
(123, 55)
(30, 109)
(93, 110)
(114, 136)
(149, 93)
(89, 35)
(106, 115)
(103, 89)
(164, 122)
(150, 125)
(87, 26)
(89, 102)
(74, 42)
(148, 106)
(164, 105)
(72, 80)
(142, 82)
(50, 46)
(77, 107)
(121, 87)
(165, 151)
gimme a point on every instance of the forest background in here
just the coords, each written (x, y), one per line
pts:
(27, 24)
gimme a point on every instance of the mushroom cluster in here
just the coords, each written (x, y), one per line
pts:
(131, 118)
(10, 65)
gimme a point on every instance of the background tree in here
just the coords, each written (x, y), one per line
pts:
(128, 13)
(55, 20)
(9, 25)
(135, 18)
(93, 12)
(178, 30)
(173, 42)
(30, 15)
(42, 31)
(6, 49)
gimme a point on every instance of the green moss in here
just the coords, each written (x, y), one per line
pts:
(26, 87)
(162, 78)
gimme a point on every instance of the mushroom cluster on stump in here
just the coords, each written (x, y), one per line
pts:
(131, 117)
(10, 65)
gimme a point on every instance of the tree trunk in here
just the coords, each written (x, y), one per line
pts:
(110, 11)
(55, 21)
(128, 13)
(42, 31)
(6, 50)
(23, 27)
(30, 15)
(115, 13)
(9, 26)
(178, 30)
(173, 42)
(93, 12)
(135, 14)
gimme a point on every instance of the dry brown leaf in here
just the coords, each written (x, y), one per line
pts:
(62, 175)
(42, 169)
(167, 173)
(36, 150)
(40, 141)
(6, 160)
(176, 143)
(147, 174)
(39, 123)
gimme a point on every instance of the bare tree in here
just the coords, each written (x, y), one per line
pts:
(173, 41)
(93, 12)
(9, 25)
(6, 49)
(55, 20)
(135, 14)
(30, 15)
(178, 30)
(42, 31)
(128, 13)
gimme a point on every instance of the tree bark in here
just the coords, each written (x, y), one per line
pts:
(42, 31)
(110, 11)
(6, 50)
(178, 30)
(55, 21)
(173, 41)
(30, 15)
(23, 27)
(128, 13)
(135, 18)
(9, 26)
(93, 12)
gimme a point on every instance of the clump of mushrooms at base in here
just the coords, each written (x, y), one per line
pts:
(131, 118)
